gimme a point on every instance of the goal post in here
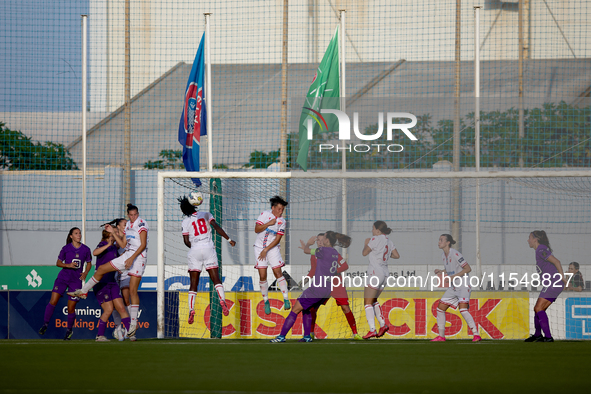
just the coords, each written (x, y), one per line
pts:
(417, 206)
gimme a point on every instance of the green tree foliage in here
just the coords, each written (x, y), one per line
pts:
(19, 152)
(173, 159)
(170, 159)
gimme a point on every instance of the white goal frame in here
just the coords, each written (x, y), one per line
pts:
(427, 174)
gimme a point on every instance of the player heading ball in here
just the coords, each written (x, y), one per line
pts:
(270, 228)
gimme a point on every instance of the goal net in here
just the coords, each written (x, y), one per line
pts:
(490, 214)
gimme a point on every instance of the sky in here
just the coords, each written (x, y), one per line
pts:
(41, 52)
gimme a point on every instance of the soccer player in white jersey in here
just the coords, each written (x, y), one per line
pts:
(197, 236)
(379, 249)
(132, 261)
(270, 228)
(455, 266)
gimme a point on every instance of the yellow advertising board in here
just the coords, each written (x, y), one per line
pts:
(409, 314)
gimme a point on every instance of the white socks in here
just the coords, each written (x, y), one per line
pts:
(378, 311)
(370, 315)
(264, 290)
(192, 295)
(470, 320)
(220, 289)
(441, 322)
(282, 283)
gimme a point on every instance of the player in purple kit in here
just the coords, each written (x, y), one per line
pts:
(107, 290)
(71, 259)
(320, 285)
(548, 267)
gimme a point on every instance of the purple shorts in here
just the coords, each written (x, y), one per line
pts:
(309, 300)
(61, 285)
(550, 293)
(107, 292)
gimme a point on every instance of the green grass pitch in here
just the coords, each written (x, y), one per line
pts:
(324, 366)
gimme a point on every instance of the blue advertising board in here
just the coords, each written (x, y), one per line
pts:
(578, 317)
(21, 316)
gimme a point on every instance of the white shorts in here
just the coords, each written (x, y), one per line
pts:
(273, 258)
(122, 279)
(456, 295)
(377, 277)
(200, 259)
(138, 267)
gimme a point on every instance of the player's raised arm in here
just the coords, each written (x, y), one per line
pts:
(221, 232)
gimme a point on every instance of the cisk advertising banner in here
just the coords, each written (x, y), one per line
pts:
(409, 314)
(22, 316)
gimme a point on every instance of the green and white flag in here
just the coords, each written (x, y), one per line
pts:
(324, 93)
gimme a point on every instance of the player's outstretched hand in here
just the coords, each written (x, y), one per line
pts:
(233, 243)
(438, 271)
(109, 228)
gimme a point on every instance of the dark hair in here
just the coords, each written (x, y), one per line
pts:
(277, 200)
(321, 234)
(131, 207)
(575, 264)
(542, 238)
(381, 225)
(105, 235)
(186, 207)
(338, 239)
(449, 239)
(68, 239)
(114, 222)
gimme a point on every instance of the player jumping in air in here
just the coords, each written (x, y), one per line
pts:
(197, 236)
(455, 266)
(133, 261)
(71, 259)
(320, 285)
(270, 228)
(379, 249)
(339, 293)
(107, 290)
(549, 266)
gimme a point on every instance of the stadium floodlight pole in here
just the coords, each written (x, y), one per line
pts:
(160, 261)
(208, 94)
(84, 93)
(477, 130)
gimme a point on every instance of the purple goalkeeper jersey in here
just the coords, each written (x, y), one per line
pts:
(326, 267)
(79, 256)
(543, 266)
(111, 253)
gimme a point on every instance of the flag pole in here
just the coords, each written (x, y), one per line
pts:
(208, 93)
(344, 109)
(477, 129)
(84, 95)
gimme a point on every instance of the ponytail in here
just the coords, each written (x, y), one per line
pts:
(338, 239)
(381, 225)
(542, 238)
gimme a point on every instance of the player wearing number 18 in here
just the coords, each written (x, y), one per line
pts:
(197, 236)
(549, 269)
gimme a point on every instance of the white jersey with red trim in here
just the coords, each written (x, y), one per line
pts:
(381, 249)
(132, 234)
(267, 236)
(454, 262)
(197, 228)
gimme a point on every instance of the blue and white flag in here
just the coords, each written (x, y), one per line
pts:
(193, 119)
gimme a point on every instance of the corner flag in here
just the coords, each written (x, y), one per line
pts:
(193, 119)
(323, 93)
